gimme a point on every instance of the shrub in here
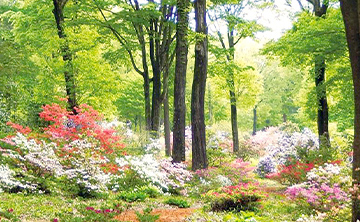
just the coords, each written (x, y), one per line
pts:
(291, 173)
(324, 189)
(73, 148)
(131, 196)
(177, 202)
(244, 196)
(293, 145)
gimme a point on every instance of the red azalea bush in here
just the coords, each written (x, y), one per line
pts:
(244, 196)
(66, 126)
(291, 173)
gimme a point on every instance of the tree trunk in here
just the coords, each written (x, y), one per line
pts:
(156, 102)
(234, 128)
(199, 158)
(210, 105)
(167, 127)
(230, 80)
(284, 117)
(180, 81)
(322, 116)
(147, 101)
(254, 120)
(67, 56)
(350, 12)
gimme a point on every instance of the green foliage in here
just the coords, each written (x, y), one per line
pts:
(151, 191)
(103, 214)
(9, 216)
(146, 216)
(181, 203)
(128, 181)
(131, 196)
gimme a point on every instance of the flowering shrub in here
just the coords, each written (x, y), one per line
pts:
(67, 126)
(287, 147)
(244, 196)
(320, 196)
(322, 190)
(263, 139)
(292, 173)
(164, 174)
(228, 174)
(75, 147)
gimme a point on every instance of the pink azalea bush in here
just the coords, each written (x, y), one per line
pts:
(323, 189)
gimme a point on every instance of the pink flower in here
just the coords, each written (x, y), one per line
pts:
(55, 220)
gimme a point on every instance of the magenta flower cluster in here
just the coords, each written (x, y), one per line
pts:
(320, 196)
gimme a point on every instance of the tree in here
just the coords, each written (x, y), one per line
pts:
(314, 42)
(180, 81)
(238, 28)
(151, 26)
(66, 54)
(350, 12)
(199, 158)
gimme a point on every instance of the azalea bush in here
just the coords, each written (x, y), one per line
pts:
(325, 189)
(162, 173)
(291, 173)
(241, 197)
(228, 174)
(73, 150)
(288, 146)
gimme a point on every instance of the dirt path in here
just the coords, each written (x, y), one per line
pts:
(166, 215)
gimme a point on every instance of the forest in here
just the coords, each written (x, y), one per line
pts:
(178, 110)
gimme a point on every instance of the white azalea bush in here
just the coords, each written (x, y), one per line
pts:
(37, 159)
(161, 173)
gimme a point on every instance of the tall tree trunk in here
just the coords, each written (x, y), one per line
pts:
(350, 11)
(199, 158)
(178, 154)
(254, 120)
(234, 126)
(67, 56)
(147, 101)
(167, 127)
(156, 102)
(322, 116)
(210, 104)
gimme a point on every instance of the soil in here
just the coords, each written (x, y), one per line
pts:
(166, 215)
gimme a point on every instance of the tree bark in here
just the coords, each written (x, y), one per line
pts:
(67, 56)
(167, 127)
(180, 81)
(254, 120)
(234, 126)
(323, 111)
(350, 11)
(199, 158)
